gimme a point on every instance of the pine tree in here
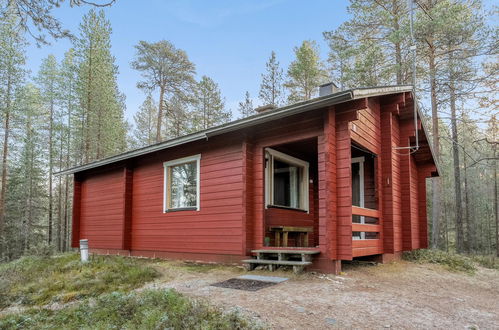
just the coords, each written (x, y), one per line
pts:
(271, 87)
(178, 117)
(145, 123)
(27, 194)
(167, 69)
(305, 73)
(372, 47)
(246, 107)
(12, 59)
(102, 103)
(209, 107)
(47, 82)
(70, 133)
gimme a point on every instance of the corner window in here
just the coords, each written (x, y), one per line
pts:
(286, 180)
(181, 187)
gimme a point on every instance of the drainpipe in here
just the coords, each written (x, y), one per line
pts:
(84, 250)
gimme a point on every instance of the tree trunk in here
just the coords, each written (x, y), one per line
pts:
(398, 50)
(470, 230)
(496, 210)
(160, 113)
(436, 182)
(51, 166)
(59, 197)
(88, 108)
(457, 171)
(5, 155)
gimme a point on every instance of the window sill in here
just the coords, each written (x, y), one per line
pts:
(286, 208)
(181, 209)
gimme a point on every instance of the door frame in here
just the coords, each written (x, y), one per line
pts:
(360, 161)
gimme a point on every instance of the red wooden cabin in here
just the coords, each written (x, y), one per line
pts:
(332, 167)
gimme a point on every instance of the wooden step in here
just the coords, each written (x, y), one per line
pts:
(287, 251)
(277, 262)
(297, 265)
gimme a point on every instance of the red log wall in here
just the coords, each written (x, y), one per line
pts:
(101, 209)
(122, 208)
(217, 228)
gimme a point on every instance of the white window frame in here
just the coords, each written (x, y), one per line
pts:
(166, 190)
(362, 192)
(270, 155)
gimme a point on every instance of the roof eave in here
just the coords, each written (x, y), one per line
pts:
(282, 112)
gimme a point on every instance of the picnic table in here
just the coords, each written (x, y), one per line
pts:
(282, 232)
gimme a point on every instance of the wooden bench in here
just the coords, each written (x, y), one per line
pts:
(284, 232)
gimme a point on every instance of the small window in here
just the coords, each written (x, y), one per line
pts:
(286, 181)
(181, 191)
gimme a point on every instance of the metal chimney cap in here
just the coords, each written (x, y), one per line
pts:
(328, 88)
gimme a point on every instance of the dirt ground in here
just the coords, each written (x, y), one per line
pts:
(400, 295)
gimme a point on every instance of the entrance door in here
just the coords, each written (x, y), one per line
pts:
(358, 192)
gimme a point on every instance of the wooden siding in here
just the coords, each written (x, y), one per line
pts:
(366, 132)
(101, 215)
(392, 194)
(343, 188)
(407, 186)
(76, 217)
(294, 129)
(413, 172)
(327, 186)
(284, 217)
(120, 207)
(248, 193)
(217, 228)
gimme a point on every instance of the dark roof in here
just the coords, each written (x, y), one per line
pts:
(316, 103)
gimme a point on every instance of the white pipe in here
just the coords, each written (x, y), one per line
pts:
(414, 67)
(84, 250)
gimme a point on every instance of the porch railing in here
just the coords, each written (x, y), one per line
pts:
(364, 247)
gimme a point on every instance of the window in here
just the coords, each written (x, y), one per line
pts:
(181, 190)
(286, 181)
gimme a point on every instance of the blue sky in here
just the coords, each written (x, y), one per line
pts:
(230, 41)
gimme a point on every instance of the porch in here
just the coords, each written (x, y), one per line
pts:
(292, 198)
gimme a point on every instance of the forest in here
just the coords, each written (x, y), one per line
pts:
(71, 111)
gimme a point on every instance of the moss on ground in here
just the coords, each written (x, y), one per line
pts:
(63, 278)
(149, 309)
(451, 261)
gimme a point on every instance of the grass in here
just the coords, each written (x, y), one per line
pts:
(63, 278)
(491, 262)
(451, 261)
(149, 309)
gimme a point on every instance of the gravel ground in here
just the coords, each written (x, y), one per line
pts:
(400, 295)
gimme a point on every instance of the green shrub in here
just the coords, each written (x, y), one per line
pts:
(149, 309)
(38, 280)
(451, 261)
(491, 262)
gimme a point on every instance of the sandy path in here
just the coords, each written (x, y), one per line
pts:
(401, 295)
